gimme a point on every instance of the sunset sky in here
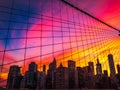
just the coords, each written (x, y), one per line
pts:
(43, 29)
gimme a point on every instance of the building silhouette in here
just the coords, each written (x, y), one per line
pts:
(44, 69)
(90, 76)
(118, 74)
(41, 80)
(113, 81)
(61, 77)
(14, 77)
(98, 68)
(98, 76)
(91, 68)
(51, 75)
(30, 78)
(32, 67)
(111, 65)
(71, 75)
(80, 77)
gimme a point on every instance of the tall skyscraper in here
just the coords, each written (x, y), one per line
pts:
(52, 66)
(71, 70)
(80, 77)
(90, 77)
(61, 79)
(31, 76)
(41, 80)
(44, 68)
(118, 75)
(51, 75)
(98, 68)
(118, 69)
(14, 77)
(111, 65)
(71, 65)
(85, 70)
(104, 82)
(91, 68)
(113, 79)
(32, 67)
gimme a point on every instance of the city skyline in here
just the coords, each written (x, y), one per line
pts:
(62, 77)
(97, 62)
(41, 30)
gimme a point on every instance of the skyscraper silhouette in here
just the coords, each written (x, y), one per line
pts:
(71, 69)
(114, 80)
(118, 69)
(111, 65)
(52, 66)
(91, 68)
(61, 79)
(31, 76)
(41, 79)
(44, 68)
(64, 77)
(98, 68)
(32, 67)
(14, 77)
(80, 77)
(90, 77)
(51, 74)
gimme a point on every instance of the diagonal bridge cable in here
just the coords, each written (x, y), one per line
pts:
(68, 3)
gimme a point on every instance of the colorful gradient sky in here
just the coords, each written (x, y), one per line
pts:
(41, 30)
(106, 10)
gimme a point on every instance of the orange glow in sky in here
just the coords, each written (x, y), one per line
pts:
(54, 29)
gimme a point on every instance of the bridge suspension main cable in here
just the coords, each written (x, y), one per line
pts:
(77, 8)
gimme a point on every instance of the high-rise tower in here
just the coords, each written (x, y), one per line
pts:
(71, 71)
(111, 65)
(51, 75)
(98, 68)
(114, 80)
(61, 79)
(14, 77)
(91, 68)
(31, 75)
(33, 67)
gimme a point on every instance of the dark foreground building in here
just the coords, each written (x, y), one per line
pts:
(14, 77)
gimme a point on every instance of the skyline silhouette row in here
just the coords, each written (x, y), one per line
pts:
(61, 77)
